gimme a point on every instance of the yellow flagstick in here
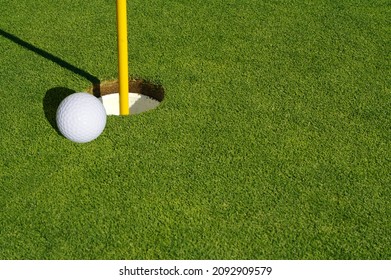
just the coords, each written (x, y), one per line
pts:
(123, 75)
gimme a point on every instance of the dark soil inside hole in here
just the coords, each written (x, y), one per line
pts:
(135, 85)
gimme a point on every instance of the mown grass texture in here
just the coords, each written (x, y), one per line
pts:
(273, 140)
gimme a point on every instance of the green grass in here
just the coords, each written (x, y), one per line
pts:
(273, 141)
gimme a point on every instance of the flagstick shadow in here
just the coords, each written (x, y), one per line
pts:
(54, 96)
(94, 80)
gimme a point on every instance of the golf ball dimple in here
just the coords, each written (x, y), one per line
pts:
(81, 117)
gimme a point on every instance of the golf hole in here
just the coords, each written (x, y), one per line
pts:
(143, 96)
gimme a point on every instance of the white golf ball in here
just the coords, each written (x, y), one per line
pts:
(81, 117)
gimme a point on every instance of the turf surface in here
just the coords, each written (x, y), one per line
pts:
(273, 141)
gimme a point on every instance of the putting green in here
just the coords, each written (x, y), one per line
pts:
(272, 140)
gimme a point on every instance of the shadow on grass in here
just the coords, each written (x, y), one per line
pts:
(54, 96)
(51, 101)
(94, 80)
